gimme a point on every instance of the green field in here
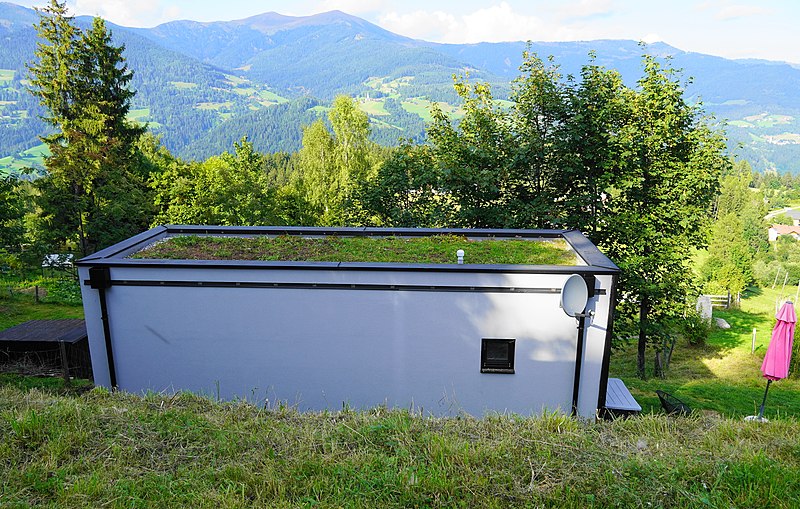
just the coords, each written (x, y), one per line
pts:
(765, 120)
(422, 107)
(183, 85)
(6, 75)
(271, 97)
(214, 105)
(139, 115)
(390, 88)
(31, 158)
(722, 377)
(374, 107)
(235, 80)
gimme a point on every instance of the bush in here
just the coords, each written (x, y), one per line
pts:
(764, 272)
(695, 329)
(58, 291)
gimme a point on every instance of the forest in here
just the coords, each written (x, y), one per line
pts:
(641, 170)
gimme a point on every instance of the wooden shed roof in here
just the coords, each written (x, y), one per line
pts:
(69, 330)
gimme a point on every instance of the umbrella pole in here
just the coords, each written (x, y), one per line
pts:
(764, 402)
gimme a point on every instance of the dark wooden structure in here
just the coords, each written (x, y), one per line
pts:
(52, 345)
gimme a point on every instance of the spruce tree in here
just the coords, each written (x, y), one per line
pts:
(93, 194)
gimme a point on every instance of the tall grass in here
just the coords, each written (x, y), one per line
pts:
(120, 450)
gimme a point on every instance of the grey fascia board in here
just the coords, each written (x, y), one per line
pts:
(588, 251)
(122, 249)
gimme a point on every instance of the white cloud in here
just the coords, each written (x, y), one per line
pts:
(651, 38)
(586, 9)
(127, 12)
(729, 12)
(431, 26)
(496, 23)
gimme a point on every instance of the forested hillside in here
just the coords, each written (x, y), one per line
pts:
(201, 86)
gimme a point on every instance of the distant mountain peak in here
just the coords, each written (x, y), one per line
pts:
(272, 22)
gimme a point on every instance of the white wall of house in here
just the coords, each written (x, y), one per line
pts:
(324, 348)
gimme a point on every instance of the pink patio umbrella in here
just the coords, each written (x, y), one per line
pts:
(779, 351)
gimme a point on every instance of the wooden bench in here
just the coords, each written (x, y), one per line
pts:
(619, 401)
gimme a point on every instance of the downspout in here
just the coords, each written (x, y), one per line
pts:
(100, 280)
(576, 384)
(578, 361)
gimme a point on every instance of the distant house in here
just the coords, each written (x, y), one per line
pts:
(776, 230)
(795, 215)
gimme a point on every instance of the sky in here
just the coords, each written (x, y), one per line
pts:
(766, 29)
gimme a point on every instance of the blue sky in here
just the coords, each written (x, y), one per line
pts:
(768, 29)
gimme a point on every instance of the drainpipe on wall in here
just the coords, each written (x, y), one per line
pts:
(100, 280)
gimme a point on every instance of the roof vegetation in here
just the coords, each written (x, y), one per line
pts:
(431, 249)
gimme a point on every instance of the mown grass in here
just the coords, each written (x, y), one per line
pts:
(58, 299)
(722, 376)
(119, 450)
(435, 249)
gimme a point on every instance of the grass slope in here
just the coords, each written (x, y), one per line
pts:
(58, 299)
(722, 376)
(120, 450)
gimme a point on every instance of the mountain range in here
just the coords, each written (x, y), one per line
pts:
(202, 86)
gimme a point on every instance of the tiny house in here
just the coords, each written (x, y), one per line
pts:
(472, 330)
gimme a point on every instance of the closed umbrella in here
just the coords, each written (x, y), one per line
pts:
(779, 352)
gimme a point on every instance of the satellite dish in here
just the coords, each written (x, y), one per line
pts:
(574, 296)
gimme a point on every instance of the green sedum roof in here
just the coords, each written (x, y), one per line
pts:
(433, 249)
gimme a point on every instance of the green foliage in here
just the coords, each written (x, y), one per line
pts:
(729, 264)
(782, 219)
(12, 211)
(694, 329)
(473, 158)
(231, 189)
(407, 190)
(333, 165)
(671, 162)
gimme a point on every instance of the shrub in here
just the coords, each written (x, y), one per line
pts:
(695, 329)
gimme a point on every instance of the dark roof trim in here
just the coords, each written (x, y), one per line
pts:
(68, 330)
(588, 251)
(116, 255)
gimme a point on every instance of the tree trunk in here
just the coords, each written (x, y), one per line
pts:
(644, 309)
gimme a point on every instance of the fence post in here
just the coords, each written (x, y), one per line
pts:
(64, 363)
(753, 345)
(36, 293)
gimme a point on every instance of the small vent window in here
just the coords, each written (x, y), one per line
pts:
(497, 355)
